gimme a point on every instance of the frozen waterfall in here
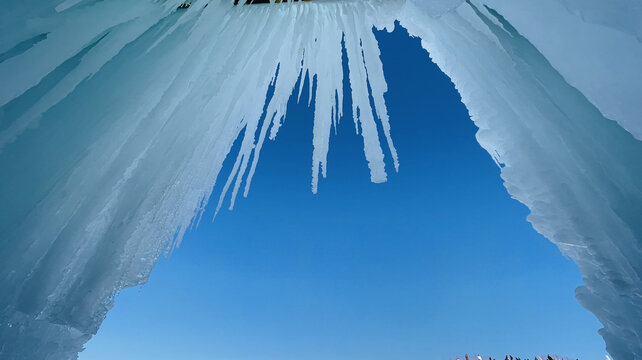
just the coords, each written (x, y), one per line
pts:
(116, 117)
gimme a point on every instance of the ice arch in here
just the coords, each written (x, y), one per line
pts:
(115, 118)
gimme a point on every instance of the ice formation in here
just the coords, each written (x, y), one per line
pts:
(116, 116)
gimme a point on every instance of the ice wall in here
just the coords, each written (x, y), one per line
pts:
(578, 171)
(116, 116)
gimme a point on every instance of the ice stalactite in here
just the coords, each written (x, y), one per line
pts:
(116, 117)
(115, 126)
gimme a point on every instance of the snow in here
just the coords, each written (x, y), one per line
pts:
(116, 117)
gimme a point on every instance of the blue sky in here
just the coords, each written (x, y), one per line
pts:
(435, 263)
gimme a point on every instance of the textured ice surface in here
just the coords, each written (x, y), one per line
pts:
(116, 116)
(577, 171)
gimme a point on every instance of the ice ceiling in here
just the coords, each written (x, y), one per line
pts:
(116, 116)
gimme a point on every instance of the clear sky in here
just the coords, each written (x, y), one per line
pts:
(433, 264)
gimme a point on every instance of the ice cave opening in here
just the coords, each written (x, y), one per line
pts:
(116, 118)
(400, 269)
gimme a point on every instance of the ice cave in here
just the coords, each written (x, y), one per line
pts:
(116, 117)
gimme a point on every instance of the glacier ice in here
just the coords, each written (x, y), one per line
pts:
(116, 117)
